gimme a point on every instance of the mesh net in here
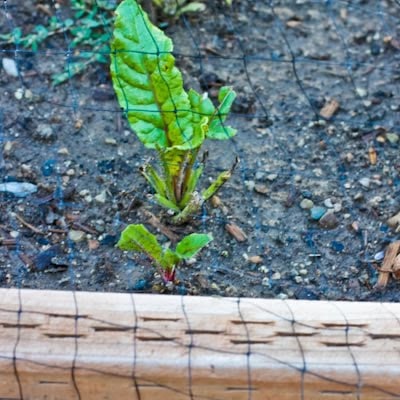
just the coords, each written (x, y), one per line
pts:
(317, 115)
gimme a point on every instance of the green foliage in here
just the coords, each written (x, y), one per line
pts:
(86, 30)
(164, 116)
(138, 238)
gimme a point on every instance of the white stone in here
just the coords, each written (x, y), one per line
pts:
(10, 67)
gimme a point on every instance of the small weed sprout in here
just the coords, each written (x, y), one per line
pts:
(138, 238)
(165, 117)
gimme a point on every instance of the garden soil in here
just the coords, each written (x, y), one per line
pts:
(306, 212)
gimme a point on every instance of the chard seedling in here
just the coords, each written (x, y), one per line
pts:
(165, 117)
(138, 238)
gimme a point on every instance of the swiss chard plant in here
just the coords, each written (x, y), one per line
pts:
(138, 238)
(166, 118)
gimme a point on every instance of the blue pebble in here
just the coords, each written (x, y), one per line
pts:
(337, 246)
(48, 167)
(317, 212)
(141, 284)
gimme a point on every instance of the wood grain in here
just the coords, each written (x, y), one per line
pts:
(77, 345)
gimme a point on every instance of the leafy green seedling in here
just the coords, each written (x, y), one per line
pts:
(165, 117)
(138, 238)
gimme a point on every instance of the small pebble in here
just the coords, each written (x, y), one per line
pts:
(8, 147)
(110, 141)
(101, 198)
(63, 151)
(18, 189)
(365, 182)
(358, 196)
(337, 207)
(45, 133)
(266, 282)
(215, 201)
(272, 177)
(375, 201)
(250, 185)
(317, 213)
(76, 236)
(379, 256)
(261, 188)
(329, 220)
(93, 244)
(255, 259)
(14, 234)
(361, 92)
(10, 67)
(263, 269)
(19, 93)
(298, 279)
(303, 272)
(328, 203)
(306, 204)
(276, 276)
(393, 138)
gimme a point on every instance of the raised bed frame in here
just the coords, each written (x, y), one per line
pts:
(79, 345)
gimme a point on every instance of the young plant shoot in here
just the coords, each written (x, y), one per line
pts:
(165, 117)
(138, 238)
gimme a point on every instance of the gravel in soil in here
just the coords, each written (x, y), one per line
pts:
(305, 215)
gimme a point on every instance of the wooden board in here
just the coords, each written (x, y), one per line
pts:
(77, 345)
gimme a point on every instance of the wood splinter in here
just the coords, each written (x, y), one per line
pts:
(390, 265)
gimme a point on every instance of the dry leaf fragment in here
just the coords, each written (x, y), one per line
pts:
(329, 109)
(236, 232)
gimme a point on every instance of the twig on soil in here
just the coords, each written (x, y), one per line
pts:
(84, 228)
(28, 225)
(26, 260)
(8, 242)
(154, 221)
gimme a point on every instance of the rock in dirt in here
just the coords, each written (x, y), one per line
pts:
(329, 220)
(76, 236)
(10, 67)
(236, 232)
(255, 259)
(101, 198)
(18, 189)
(329, 109)
(45, 133)
(317, 212)
(306, 204)
(365, 182)
(393, 138)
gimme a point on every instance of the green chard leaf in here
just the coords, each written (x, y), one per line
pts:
(192, 244)
(217, 129)
(138, 238)
(148, 85)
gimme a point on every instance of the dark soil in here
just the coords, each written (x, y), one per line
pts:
(285, 62)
